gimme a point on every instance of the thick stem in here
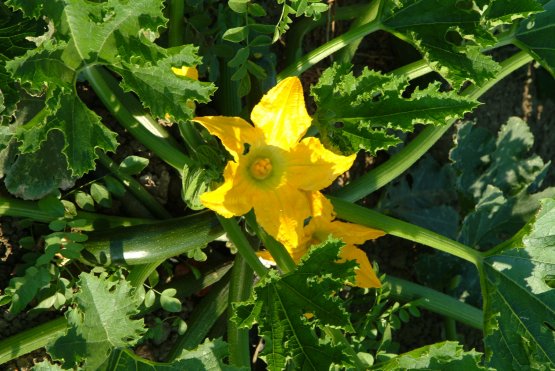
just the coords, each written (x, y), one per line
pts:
(134, 187)
(240, 241)
(366, 16)
(239, 290)
(370, 218)
(130, 114)
(176, 26)
(315, 56)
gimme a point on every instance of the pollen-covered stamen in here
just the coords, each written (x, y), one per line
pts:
(261, 168)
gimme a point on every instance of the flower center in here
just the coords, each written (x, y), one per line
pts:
(261, 168)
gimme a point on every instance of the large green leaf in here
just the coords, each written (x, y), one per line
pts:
(504, 162)
(208, 356)
(280, 303)
(536, 36)
(519, 299)
(448, 355)
(360, 112)
(448, 33)
(83, 132)
(14, 31)
(100, 322)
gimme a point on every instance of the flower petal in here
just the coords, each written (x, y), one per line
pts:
(282, 213)
(233, 197)
(353, 234)
(321, 206)
(190, 72)
(365, 275)
(234, 132)
(282, 115)
(310, 166)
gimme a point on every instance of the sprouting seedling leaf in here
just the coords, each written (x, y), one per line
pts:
(100, 322)
(279, 306)
(362, 112)
(519, 303)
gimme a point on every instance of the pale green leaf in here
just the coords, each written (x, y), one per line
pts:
(133, 165)
(100, 322)
(280, 303)
(100, 195)
(519, 304)
(448, 355)
(46, 366)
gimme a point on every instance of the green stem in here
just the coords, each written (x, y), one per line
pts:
(239, 290)
(315, 56)
(301, 28)
(236, 235)
(30, 209)
(370, 218)
(32, 339)
(436, 302)
(130, 114)
(206, 313)
(366, 16)
(176, 25)
(134, 187)
(401, 161)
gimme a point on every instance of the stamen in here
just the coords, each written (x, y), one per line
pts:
(261, 168)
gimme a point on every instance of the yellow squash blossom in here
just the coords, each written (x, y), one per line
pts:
(273, 168)
(322, 225)
(190, 72)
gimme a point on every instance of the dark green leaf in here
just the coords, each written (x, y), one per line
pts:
(240, 57)
(23, 290)
(423, 196)
(33, 175)
(256, 10)
(534, 35)
(519, 305)
(449, 35)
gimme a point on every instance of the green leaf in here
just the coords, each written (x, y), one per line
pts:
(534, 36)
(82, 131)
(448, 355)
(46, 366)
(146, 69)
(361, 112)
(195, 181)
(209, 356)
(423, 197)
(133, 165)
(14, 31)
(508, 11)
(101, 195)
(168, 302)
(22, 290)
(31, 176)
(279, 304)
(84, 201)
(504, 162)
(448, 33)
(100, 322)
(235, 34)
(238, 6)
(519, 305)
